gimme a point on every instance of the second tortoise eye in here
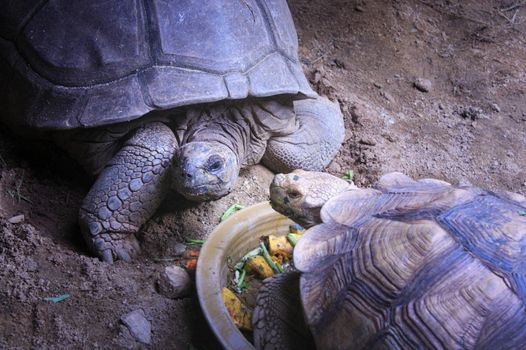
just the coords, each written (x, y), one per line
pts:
(293, 194)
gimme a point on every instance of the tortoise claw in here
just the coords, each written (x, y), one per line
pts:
(116, 246)
(106, 256)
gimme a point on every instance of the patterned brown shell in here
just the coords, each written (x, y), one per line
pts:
(416, 265)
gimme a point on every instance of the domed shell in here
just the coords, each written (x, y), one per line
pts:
(416, 264)
(67, 64)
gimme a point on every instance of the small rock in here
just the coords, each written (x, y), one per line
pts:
(363, 113)
(30, 264)
(174, 282)
(339, 63)
(387, 96)
(17, 219)
(334, 168)
(179, 248)
(472, 113)
(423, 85)
(389, 137)
(495, 107)
(138, 325)
(367, 141)
(464, 182)
(359, 8)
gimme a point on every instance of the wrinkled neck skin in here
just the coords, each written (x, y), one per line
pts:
(218, 125)
(217, 140)
(242, 126)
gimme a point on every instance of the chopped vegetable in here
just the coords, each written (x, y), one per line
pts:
(241, 283)
(279, 246)
(194, 241)
(57, 299)
(276, 267)
(296, 228)
(241, 315)
(190, 257)
(190, 264)
(293, 238)
(239, 265)
(231, 210)
(259, 266)
(348, 175)
(273, 255)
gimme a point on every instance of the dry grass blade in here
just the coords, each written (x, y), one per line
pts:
(513, 7)
(16, 192)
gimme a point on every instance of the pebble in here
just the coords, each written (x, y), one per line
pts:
(179, 248)
(387, 96)
(16, 219)
(470, 112)
(367, 141)
(174, 282)
(30, 264)
(495, 107)
(138, 325)
(423, 85)
(389, 137)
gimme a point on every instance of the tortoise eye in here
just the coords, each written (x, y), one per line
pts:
(215, 164)
(294, 194)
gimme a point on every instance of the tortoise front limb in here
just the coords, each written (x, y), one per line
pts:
(315, 142)
(278, 320)
(127, 193)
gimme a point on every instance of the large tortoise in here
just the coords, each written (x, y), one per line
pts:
(151, 95)
(408, 265)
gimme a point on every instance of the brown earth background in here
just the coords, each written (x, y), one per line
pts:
(469, 127)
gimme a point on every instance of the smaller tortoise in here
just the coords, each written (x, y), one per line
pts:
(408, 265)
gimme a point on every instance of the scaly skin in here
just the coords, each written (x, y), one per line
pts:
(127, 192)
(314, 142)
(281, 134)
(300, 195)
(215, 142)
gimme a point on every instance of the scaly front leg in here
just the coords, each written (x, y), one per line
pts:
(127, 193)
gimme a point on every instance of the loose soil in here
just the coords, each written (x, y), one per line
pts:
(469, 127)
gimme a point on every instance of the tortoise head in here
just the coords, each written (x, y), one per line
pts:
(301, 194)
(205, 170)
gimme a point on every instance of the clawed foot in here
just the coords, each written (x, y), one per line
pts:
(116, 246)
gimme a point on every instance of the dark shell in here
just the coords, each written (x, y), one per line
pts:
(416, 265)
(67, 64)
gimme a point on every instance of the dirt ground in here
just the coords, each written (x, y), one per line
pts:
(374, 57)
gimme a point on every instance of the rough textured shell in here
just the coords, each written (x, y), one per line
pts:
(416, 265)
(66, 64)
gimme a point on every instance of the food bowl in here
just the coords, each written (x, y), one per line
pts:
(229, 241)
